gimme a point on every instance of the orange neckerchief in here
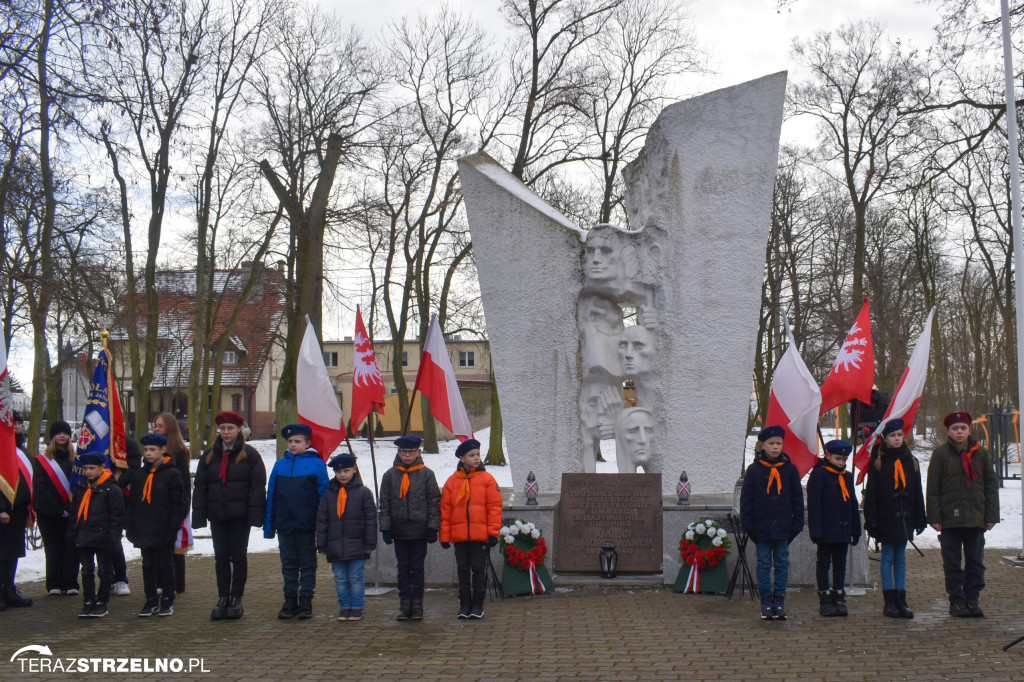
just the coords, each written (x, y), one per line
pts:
(464, 490)
(83, 509)
(342, 500)
(842, 482)
(898, 476)
(965, 461)
(774, 476)
(404, 489)
(147, 490)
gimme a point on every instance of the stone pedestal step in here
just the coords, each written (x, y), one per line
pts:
(622, 580)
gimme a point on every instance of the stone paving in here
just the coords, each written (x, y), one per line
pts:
(584, 633)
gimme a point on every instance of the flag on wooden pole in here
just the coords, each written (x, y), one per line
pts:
(907, 398)
(793, 405)
(853, 373)
(436, 380)
(103, 423)
(367, 385)
(315, 396)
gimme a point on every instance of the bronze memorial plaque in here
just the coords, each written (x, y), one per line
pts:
(625, 509)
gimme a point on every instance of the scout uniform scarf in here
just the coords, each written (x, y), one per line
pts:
(842, 482)
(773, 476)
(147, 490)
(403, 490)
(83, 509)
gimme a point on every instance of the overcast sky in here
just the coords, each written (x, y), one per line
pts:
(746, 39)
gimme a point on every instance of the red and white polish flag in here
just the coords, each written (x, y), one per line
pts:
(793, 405)
(367, 385)
(907, 398)
(317, 402)
(436, 380)
(853, 373)
(9, 459)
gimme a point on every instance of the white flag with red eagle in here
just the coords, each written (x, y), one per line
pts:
(853, 373)
(12, 460)
(436, 380)
(367, 385)
(315, 396)
(793, 405)
(906, 399)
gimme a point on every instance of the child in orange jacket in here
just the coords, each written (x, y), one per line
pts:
(471, 519)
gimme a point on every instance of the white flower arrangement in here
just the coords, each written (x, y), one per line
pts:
(722, 533)
(707, 528)
(717, 541)
(519, 528)
(690, 535)
(700, 528)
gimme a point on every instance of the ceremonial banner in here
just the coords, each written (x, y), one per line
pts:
(793, 405)
(103, 424)
(853, 373)
(315, 396)
(436, 380)
(367, 385)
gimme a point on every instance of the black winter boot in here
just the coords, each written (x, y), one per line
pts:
(465, 600)
(826, 605)
(404, 606)
(779, 606)
(479, 594)
(220, 609)
(766, 607)
(14, 598)
(306, 606)
(901, 604)
(891, 609)
(166, 606)
(416, 608)
(289, 608)
(974, 609)
(839, 601)
(234, 609)
(958, 609)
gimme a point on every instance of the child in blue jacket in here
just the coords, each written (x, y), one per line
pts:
(833, 520)
(772, 514)
(296, 484)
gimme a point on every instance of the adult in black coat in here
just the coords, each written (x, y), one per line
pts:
(833, 522)
(156, 508)
(53, 509)
(893, 511)
(166, 424)
(95, 526)
(13, 520)
(231, 493)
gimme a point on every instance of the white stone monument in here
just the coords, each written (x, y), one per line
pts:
(557, 297)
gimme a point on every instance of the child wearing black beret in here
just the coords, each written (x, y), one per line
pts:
(833, 522)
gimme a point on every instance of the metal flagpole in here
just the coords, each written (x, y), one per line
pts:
(376, 590)
(855, 428)
(1018, 248)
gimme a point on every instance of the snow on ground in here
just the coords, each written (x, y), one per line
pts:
(1006, 534)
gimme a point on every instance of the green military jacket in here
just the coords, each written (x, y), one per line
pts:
(951, 501)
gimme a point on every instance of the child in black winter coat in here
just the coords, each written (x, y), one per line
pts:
(833, 522)
(156, 508)
(893, 510)
(772, 514)
(346, 531)
(97, 521)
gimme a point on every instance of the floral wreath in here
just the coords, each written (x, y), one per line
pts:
(531, 535)
(690, 550)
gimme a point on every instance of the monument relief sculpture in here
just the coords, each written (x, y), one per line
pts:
(670, 304)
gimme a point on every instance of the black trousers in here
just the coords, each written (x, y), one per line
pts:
(298, 561)
(967, 582)
(832, 555)
(117, 563)
(158, 571)
(8, 569)
(61, 553)
(95, 560)
(411, 555)
(472, 557)
(230, 547)
(179, 574)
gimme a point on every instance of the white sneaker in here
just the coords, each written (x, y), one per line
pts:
(72, 592)
(122, 589)
(55, 591)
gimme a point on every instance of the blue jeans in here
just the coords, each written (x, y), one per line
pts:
(772, 553)
(348, 579)
(298, 561)
(894, 565)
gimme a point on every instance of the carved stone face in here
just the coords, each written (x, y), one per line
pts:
(601, 313)
(633, 431)
(599, 404)
(602, 260)
(636, 350)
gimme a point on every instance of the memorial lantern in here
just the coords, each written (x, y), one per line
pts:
(683, 489)
(609, 559)
(531, 489)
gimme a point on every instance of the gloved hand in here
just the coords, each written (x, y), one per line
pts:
(431, 536)
(492, 541)
(446, 545)
(386, 534)
(855, 540)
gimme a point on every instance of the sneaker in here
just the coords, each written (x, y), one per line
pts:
(166, 608)
(71, 593)
(99, 609)
(779, 607)
(151, 606)
(342, 614)
(122, 589)
(355, 614)
(219, 609)
(86, 610)
(958, 609)
(55, 592)
(766, 609)
(974, 610)
(464, 610)
(476, 612)
(159, 591)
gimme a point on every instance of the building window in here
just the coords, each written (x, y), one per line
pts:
(159, 357)
(236, 402)
(467, 358)
(230, 357)
(331, 358)
(405, 358)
